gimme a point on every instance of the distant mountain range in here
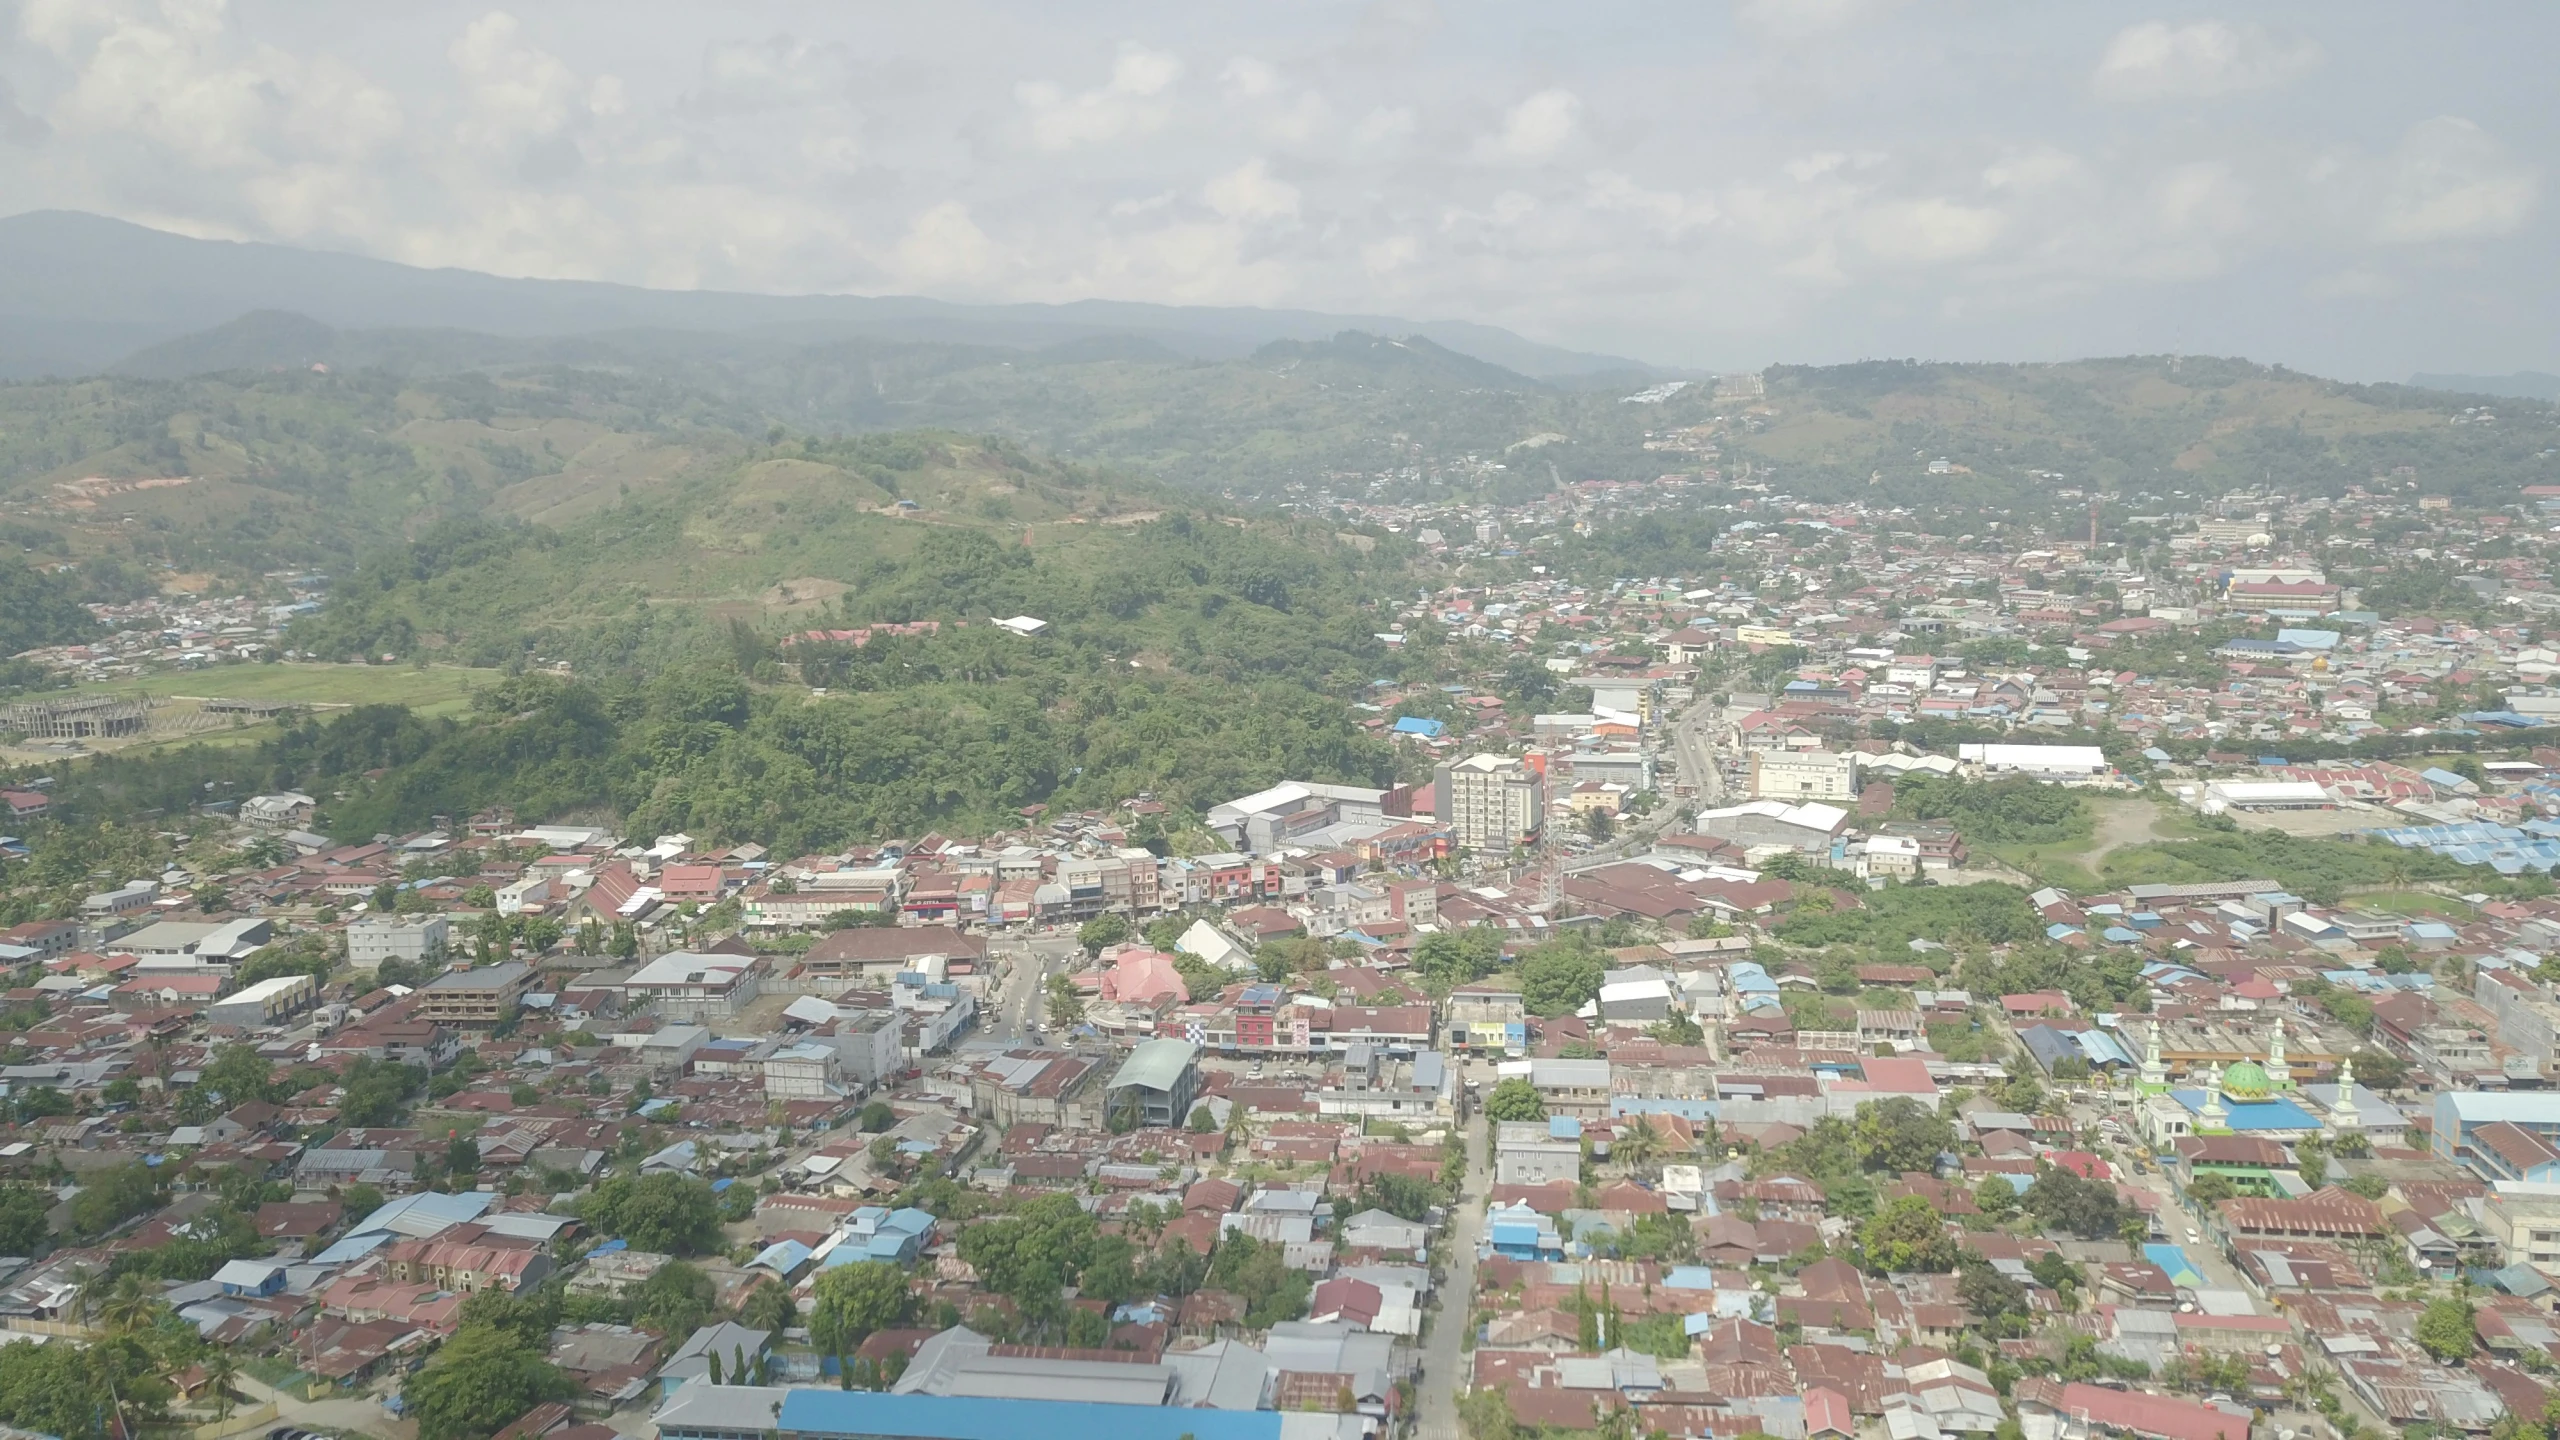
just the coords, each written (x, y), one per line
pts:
(80, 293)
(2522, 385)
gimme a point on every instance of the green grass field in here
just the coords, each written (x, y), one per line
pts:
(437, 689)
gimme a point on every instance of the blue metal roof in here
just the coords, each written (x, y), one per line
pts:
(2103, 1048)
(957, 1417)
(783, 1255)
(2278, 1114)
(453, 1209)
(2174, 1262)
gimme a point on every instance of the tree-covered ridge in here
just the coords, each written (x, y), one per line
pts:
(37, 608)
(678, 570)
(2134, 425)
(698, 749)
(301, 469)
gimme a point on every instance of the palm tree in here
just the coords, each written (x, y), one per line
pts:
(83, 1309)
(1636, 1143)
(220, 1372)
(129, 1307)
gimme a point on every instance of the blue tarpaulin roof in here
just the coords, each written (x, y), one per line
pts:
(964, 1417)
(2181, 1271)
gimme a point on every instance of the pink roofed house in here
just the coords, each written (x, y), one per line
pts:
(1891, 1075)
(1139, 976)
(690, 883)
(1826, 1413)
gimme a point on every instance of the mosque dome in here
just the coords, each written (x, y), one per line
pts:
(2247, 1081)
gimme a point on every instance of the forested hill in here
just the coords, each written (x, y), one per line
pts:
(2157, 433)
(671, 661)
(241, 474)
(820, 534)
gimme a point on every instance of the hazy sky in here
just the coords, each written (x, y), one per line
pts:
(2348, 187)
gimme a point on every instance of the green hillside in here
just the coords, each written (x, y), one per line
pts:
(249, 472)
(2144, 428)
(1187, 653)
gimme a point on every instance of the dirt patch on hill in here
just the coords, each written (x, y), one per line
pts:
(805, 592)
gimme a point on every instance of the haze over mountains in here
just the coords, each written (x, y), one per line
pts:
(79, 293)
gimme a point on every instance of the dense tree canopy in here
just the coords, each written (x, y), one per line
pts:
(481, 1380)
(675, 1214)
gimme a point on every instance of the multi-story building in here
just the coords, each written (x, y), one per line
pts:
(2525, 1219)
(879, 953)
(687, 986)
(1486, 1020)
(1536, 1152)
(1572, 1087)
(377, 938)
(809, 1070)
(1037, 1087)
(479, 998)
(467, 1258)
(1799, 775)
(1492, 802)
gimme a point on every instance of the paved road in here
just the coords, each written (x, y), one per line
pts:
(1690, 746)
(1030, 961)
(1443, 1363)
(1693, 747)
(349, 1416)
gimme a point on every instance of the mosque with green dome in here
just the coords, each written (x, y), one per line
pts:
(2246, 1098)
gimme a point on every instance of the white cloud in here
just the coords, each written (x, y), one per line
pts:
(1808, 19)
(519, 91)
(779, 70)
(2159, 61)
(1536, 128)
(1250, 192)
(169, 76)
(2450, 180)
(1249, 79)
(944, 246)
(1131, 102)
(1388, 255)
(2036, 168)
(1933, 231)
(1383, 128)
(1670, 212)
(1778, 185)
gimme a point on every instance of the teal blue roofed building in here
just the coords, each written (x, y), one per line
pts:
(847, 1414)
(2487, 1131)
(1157, 1083)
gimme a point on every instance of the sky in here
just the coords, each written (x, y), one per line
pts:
(2348, 188)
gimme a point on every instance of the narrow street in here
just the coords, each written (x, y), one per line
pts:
(1691, 749)
(1016, 1009)
(361, 1415)
(1443, 1361)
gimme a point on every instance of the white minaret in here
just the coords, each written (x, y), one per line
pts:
(2279, 1073)
(2213, 1116)
(2343, 1114)
(2155, 1071)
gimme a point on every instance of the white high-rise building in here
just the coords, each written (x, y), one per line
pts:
(1800, 775)
(1492, 802)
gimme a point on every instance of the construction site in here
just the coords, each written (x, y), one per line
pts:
(36, 728)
